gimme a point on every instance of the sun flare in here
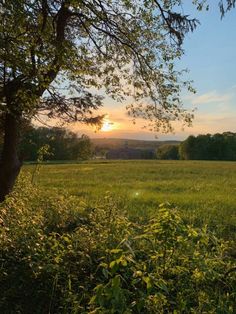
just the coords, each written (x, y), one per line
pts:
(107, 125)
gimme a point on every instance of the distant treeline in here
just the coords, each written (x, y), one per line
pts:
(61, 144)
(168, 152)
(202, 147)
(131, 153)
(209, 147)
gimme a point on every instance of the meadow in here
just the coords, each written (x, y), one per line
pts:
(204, 192)
(120, 237)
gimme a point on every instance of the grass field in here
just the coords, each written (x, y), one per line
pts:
(93, 237)
(204, 192)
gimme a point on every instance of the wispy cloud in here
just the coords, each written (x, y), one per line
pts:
(233, 88)
(212, 97)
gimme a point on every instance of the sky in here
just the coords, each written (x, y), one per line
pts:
(210, 56)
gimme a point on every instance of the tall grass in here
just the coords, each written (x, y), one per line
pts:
(59, 254)
(204, 192)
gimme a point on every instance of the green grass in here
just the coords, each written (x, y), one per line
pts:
(105, 255)
(204, 192)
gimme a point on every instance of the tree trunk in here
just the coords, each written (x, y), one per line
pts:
(10, 164)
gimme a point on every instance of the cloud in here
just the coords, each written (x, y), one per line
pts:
(209, 123)
(212, 97)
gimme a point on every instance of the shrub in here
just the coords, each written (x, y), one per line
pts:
(59, 255)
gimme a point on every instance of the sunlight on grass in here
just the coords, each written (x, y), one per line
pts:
(203, 191)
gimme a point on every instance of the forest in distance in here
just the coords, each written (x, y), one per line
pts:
(62, 144)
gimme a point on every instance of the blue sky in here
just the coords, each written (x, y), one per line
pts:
(210, 56)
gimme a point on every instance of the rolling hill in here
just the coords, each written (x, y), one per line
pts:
(115, 143)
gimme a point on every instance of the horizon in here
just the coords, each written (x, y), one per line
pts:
(132, 139)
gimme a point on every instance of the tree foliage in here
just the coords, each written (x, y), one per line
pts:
(168, 151)
(63, 144)
(124, 47)
(209, 147)
(226, 5)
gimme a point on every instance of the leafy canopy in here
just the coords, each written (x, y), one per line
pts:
(125, 48)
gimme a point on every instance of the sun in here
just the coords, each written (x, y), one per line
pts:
(107, 125)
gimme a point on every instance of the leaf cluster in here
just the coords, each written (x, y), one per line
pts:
(61, 144)
(125, 48)
(209, 147)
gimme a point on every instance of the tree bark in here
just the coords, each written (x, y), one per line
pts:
(10, 164)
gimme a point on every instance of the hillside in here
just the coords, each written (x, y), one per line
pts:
(115, 143)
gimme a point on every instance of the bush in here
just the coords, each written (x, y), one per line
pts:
(61, 256)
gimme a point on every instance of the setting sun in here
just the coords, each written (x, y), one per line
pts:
(107, 125)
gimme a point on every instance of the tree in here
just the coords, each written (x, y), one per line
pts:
(167, 151)
(187, 148)
(226, 6)
(209, 147)
(125, 47)
(84, 148)
(63, 144)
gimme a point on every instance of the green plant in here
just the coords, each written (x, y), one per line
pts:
(167, 267)
(59, 255)
(43, 151)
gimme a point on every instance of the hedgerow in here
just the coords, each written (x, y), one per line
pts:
(59, 255)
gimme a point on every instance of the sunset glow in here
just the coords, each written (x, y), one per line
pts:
(107, 125)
